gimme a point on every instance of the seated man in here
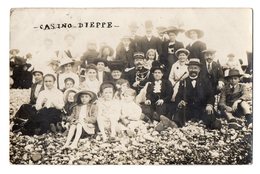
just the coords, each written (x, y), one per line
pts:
(26, 110)
(195, 98)
(233, 100)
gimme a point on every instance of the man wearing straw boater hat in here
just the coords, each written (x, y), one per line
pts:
(168, 57)
(195, 98)
(161, 33)
(196, 46)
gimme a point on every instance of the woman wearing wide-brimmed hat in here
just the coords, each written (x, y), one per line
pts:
(66, 65)
(83, 116)
(168, 57)
(106, 52)
(196, 46)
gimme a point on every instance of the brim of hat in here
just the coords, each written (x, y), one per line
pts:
(91, 94)
(238, 75)
(212, 52)
(185, 52)
(11, 51)
(198, 64)
(37, 71)
(200, 33)
(100, 60)
(176, 31)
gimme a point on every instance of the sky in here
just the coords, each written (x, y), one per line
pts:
(225, 30)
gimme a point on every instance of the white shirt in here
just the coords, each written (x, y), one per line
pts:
(65, 75)
(91, 85)
(131, 110)
(100, 76)
(82, 113)
(54, 99)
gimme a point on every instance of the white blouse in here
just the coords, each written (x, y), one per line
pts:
(177, 71)
(54, 99)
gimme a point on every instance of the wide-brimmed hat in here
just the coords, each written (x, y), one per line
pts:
(14, 50)
(232, 73)
(231, 55)
(91, 66)
(139, 55)
(66, 93)
(194, 61)
(161, 29)
(173, 29)
(100, 60)
(211, 51)
(65, 61)
(37, 70)
(111, 50)
(182, 50)
(200, 33)
(156, 65)
(92, 95)
(126, 37)
(116, 65)
(107, 84)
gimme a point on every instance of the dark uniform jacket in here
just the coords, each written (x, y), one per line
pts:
(126, 56)
(33, 98)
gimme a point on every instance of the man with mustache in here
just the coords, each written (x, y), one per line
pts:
(138, 75)
(195, 99)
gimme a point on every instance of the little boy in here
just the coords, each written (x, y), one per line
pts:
(233, 100)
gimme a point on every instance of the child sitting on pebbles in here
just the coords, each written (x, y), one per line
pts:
(131, 113)
(83, 116)
(109, 111)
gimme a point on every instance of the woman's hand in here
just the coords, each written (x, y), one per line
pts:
(147, 102)
(159, 102)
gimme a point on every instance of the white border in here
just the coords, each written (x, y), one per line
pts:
(4, 92)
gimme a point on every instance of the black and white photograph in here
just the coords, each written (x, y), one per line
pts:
(131, 86)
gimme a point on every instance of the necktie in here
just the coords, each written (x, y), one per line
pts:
(209, 68)
(232, 89)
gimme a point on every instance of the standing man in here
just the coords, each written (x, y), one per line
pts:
(213, 71)
(196, 46)
(195, 98)
(149, 41)
(138, 75)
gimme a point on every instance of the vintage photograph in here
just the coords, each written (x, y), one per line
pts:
(131, 86)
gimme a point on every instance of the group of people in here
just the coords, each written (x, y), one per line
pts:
(150, 79)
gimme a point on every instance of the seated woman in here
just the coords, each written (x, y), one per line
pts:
(66, 67)
(116, 68)
(91, 82)
(48, 105)
(83, 116)
(26, 111)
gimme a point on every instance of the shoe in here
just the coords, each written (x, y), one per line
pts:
(160, 127)
(167, 122)
(156, 116)
(216, 125)
(234, 125)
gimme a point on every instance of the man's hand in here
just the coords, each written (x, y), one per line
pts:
(182, 104)
(228, 109)
(147, 102)
(136, 84)
(235, 104)
(159, 102)
(209, 109)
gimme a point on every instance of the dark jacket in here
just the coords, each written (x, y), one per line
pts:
(125, 56)
(214, 76)
(90, 56)
(154, 43)
(33, 98)
(196, 50)
(197, 97)
(228, 97)
(165, 94)
(165, 51)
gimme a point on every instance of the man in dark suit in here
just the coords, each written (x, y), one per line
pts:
(196, 46)
(169, 48)
(126, 52)
(138, 76)
(213, 71)
(149, 41)
(26, 111)
(195, 98)
(102, 74)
